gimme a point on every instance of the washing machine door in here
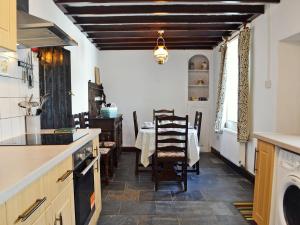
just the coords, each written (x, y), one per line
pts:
(290, 201)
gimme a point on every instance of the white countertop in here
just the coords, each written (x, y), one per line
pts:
(285, 141)
(21, 165)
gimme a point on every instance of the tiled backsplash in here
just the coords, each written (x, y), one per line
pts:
(14, 90)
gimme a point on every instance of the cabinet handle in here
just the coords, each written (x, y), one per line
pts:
(65, 176)
(31, 210)
(96, 150)
(255, 155)
(59, 219)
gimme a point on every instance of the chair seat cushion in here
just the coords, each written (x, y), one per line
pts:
(109, 144)
(104, 151)
(170, 154)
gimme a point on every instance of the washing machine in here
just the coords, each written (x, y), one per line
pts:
(288, 189)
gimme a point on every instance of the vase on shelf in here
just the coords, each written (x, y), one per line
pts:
(32, 124)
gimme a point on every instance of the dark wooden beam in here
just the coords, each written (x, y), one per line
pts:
(167, 1)
(151, 47)
(153, 40)
(162, 19)
(166, 9)
(154, 34)
(153, 44)
(157, 26)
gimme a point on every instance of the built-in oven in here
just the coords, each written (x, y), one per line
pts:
(84, 191)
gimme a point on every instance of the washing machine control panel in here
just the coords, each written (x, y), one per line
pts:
(289, 160)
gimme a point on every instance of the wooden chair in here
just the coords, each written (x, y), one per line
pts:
(106, 148)
(76, 120)
(162, 112)
(197, 125)
(170, 149)
(137, 151)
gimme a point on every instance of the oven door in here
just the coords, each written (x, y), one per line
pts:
(290, 201)
(84, 191)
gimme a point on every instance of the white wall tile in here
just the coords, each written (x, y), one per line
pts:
(13, 91)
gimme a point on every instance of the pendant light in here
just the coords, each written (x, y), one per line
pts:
(160, 50)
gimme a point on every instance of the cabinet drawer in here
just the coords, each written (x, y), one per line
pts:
(2, 215)
(26, 206)
(57, 179)
(61, 210)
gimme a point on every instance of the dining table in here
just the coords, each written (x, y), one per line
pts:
(145, 142)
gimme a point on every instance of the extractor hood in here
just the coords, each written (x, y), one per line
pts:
(34, 32)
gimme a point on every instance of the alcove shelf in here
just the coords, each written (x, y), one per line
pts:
(198, 78)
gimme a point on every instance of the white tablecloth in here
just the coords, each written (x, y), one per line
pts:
(146, 143)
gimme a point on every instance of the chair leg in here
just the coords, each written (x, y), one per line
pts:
(137, 160)
(185, 175)
(115, 155)
(155, 174)
(106, 160)
(111, 164)
(198, 168)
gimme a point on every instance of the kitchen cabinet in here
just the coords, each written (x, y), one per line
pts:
(3, 214)
(8, 25)
(41, 220)
(97, 180)
(48, 200)
(263, 182)
(26, 206)
(57, 179)
(61, 210)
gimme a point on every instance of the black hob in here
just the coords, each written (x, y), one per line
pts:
(43, 139)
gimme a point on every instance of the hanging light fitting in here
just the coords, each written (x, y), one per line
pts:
(160, 50)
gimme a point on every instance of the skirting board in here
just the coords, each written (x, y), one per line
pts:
(240, 170)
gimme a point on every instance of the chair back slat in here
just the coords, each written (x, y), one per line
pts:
(76, 120)
(171, 125)
(135, 123)
(170, 133)
(162, 113)
(171, 140)
(171, 148)
(171, 136)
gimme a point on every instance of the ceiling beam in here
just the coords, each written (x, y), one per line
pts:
(157, 26)
(166, 1)
(162, 19)
(153, 43)
(168, 45)
(166, 9)
(151, 47)
(154, 34)
(153, 40)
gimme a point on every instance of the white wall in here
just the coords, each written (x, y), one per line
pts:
(12, 91)
(134, 81)
(288, 104)
(278, 23)
(84, 57)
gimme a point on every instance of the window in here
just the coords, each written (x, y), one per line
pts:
(231, 94)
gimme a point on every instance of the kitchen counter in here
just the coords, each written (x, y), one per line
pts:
(285, 141)
(21, 165)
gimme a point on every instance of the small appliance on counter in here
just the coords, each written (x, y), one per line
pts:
(109, 111)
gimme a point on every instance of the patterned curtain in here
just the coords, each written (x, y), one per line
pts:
(221, 90)
(243, 127)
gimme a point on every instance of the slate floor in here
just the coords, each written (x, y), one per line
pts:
(131, 200)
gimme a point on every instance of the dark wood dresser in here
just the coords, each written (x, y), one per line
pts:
(111, 129)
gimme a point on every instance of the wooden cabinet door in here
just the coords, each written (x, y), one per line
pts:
(26, 206)
(62, 208)
(41, 220)
(8, 25)
(263, 183)
(97, 180)
(2, 215)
